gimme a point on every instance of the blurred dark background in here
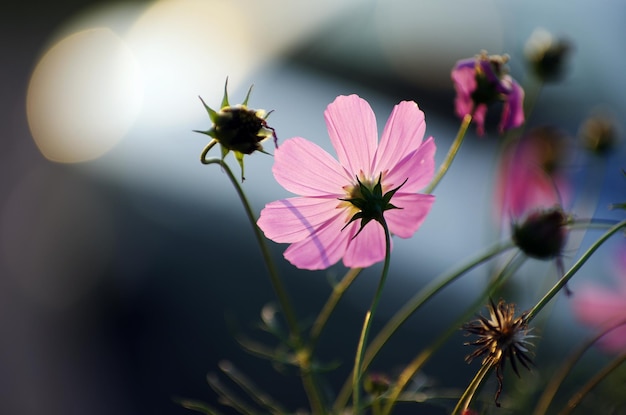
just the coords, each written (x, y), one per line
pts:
(128, 269)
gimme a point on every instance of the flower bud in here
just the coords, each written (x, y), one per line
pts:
(237, 128)
(547, 55)
(542, 234)
(598, 134)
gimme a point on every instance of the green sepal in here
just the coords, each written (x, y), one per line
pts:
(225, 98)
(372, 204)
(210, 111)
(239, 158)
(245, 101)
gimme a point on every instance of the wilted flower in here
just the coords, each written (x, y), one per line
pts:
(603, 307)
(547, 54)
(481, 81)
(370, 178)
(501, 337)
(237, 128)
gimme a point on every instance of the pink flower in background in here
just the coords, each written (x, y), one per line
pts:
(529, 177)
(603, 307)
(529, 191)
(317, 223)
(481, 81)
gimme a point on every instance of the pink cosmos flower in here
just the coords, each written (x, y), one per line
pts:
(481, 81)
(317, 223)
(604, 307)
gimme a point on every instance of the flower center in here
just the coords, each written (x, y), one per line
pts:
(368, 201)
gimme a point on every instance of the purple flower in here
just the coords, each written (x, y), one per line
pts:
(320, 224)
(481, 81)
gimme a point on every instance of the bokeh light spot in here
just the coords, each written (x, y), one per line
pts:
(83, 96)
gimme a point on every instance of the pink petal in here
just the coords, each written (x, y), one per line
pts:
(294, 219)
(304, 168)
(479, 118)
(321, 249)
(352, 129)
(513, 110)
(601, 309)
(530, 189)
(403, 134)
(418, 167)
(464, 78)
(367, 248)
(406, 221)
(615, 340)
(596, 306)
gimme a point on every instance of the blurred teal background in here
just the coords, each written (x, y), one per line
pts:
(127, 267)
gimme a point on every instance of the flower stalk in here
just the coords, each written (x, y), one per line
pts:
(358, 370)
(452, 152)
(279, 289)
(572, 271)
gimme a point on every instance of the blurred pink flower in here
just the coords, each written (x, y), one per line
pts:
(604, 307)
(529, 176)
(481, 81)
(528, 194)
(313, 223)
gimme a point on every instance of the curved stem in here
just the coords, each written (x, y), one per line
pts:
(338, 291)
(357, 370)
(281, 293)
(570, 273)
(592, 383)
(416, 364)
(452, 152)
(411, 307)
(551, 388)
(466, 398)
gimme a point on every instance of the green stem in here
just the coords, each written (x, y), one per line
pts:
(452, 152)
(411, 307)
(470, 391)
(338, 291)
(592, 383)
(357, 370)
(570, 273)
(551, 388)
(283, 298)
(416, 364)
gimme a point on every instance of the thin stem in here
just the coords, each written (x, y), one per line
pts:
(416, 364)
(551, 388)
(281, 293)
(592, 223)
(452, 152)
(357, 370)
(338, 291)
(277, 284)
(592, 383)
(419, 299)
(470, 391)
(570, 273)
